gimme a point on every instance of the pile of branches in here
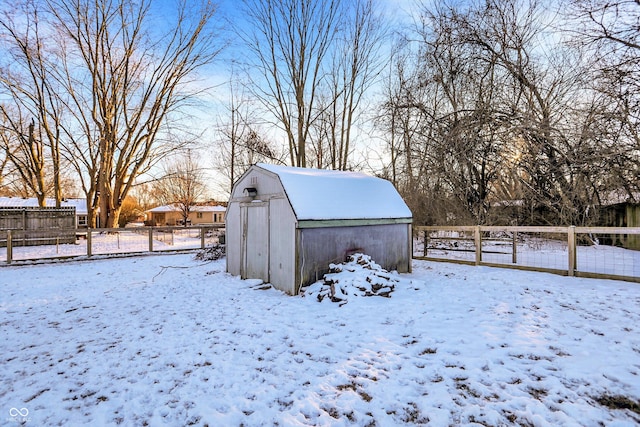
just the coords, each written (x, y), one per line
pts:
(360, 276)
(211, 253)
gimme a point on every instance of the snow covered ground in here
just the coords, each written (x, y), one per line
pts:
(169, 340)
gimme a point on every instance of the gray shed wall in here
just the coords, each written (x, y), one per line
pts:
(389, 245)
(282, 245)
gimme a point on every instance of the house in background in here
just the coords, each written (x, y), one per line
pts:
(80, 205)
(620, 210)
(198, 215)
(285, 225)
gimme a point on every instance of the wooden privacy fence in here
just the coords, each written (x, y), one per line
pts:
(109, 241)
(34, 226)
(598, 252)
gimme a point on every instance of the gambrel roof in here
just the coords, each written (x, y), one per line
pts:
(318, 194)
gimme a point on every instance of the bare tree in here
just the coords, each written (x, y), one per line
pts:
(488, 105)
(136, 82)
(144, 196)
(611, 24)
(27, 81)
(121, 76)
(610, 32)
(239, 143)
(27, 152)
(182, 184)
(8, 170)
(405, 118)
(232, 130)
(290, 41)
(554, 167)
(446, 123)
(4, 169)
(357, 62)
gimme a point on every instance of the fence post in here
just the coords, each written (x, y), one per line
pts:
(150, 239)
(9, 247)
(89, 242)
(478, 243)
(514, 257)
(202, 238)
(426, 242)
(571, 244)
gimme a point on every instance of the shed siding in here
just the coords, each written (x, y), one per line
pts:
(233, 238)
(282, 245)
(386, 244)
(254, 262)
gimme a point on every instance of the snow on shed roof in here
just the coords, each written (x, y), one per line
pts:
(318, 194)
(22, 202)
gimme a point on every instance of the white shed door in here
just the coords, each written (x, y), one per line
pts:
(255, 241)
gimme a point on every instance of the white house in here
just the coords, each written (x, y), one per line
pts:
(285, 225)
(198, 215)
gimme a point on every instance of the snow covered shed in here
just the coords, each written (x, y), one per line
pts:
(285, 225)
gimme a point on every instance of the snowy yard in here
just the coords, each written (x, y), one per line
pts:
(168, 340)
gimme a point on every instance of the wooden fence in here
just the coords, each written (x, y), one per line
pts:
(33, 226)
(110, 241)
(572, 251)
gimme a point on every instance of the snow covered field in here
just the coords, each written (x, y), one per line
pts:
(168, 340)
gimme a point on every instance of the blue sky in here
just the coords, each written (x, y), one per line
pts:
(216, 76)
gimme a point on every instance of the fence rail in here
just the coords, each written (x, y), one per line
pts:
(597, 252)
(20, 245)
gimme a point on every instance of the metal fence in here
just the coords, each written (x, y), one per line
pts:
(105, 241)
(598, 252)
